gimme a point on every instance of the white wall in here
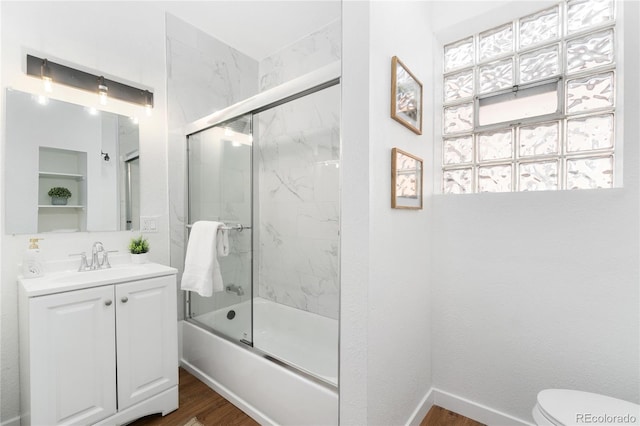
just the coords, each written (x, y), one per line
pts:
(125, 43)
(385, 298)
(540, 290)
(355, 220)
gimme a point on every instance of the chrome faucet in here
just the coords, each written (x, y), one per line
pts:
(237, 289)
(97, 261)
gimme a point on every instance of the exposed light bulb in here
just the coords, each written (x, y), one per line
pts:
(102, 93)
(45, 73)
(46, 81)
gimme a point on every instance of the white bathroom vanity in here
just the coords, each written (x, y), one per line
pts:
(98, 347)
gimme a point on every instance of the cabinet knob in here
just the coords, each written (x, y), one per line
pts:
(125, 299)
(108, 302)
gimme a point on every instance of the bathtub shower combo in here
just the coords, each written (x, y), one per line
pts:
(268, 167)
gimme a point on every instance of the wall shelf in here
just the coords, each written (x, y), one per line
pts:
(67, 206)
(73, 176)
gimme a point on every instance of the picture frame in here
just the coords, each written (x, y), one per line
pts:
(406, 96)
(407, 173)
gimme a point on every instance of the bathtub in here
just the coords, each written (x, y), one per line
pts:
(268, 391)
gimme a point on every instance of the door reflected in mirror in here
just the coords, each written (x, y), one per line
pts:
(53, 146)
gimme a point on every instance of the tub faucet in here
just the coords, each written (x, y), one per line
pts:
(237, 289)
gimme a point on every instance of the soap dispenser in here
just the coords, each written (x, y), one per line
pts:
(32, 264)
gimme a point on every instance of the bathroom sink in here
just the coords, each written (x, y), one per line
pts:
(57, 282)
(114, 273)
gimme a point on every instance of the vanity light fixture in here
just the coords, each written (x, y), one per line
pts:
(51, 72)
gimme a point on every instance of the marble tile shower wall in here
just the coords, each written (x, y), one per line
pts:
(299, 152)
(203, 76)
(314, 51)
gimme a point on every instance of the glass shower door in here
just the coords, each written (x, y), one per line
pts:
(220, 190)
(296, 238)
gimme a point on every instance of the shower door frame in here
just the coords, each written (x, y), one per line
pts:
(307, 84)
(187, 298)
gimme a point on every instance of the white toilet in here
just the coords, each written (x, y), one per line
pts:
(564, 407)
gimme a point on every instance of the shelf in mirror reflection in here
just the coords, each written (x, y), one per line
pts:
(73, 176)
(68, 206)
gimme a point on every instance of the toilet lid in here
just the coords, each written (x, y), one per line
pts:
(569, 407)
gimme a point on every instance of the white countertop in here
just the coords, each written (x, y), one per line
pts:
(58, 281)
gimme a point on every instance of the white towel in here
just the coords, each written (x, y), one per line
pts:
(201, 267)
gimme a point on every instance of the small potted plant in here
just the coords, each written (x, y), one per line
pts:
(59, 195)
(139, 247)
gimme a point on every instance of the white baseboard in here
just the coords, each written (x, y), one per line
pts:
(475, 411)
(421, 410)
(11, 422)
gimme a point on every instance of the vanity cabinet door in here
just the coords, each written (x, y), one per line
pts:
(72, 351)
(147, 338)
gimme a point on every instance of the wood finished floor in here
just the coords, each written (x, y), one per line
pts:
(200, 401)
(438, 416)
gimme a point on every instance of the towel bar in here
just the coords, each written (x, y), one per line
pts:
(239, 227)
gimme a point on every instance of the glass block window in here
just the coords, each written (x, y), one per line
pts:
(530, 104)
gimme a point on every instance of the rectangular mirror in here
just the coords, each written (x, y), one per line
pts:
(406, 180)
(90, 157)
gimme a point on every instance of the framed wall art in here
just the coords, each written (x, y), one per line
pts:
(406, 96)
(406, 180)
